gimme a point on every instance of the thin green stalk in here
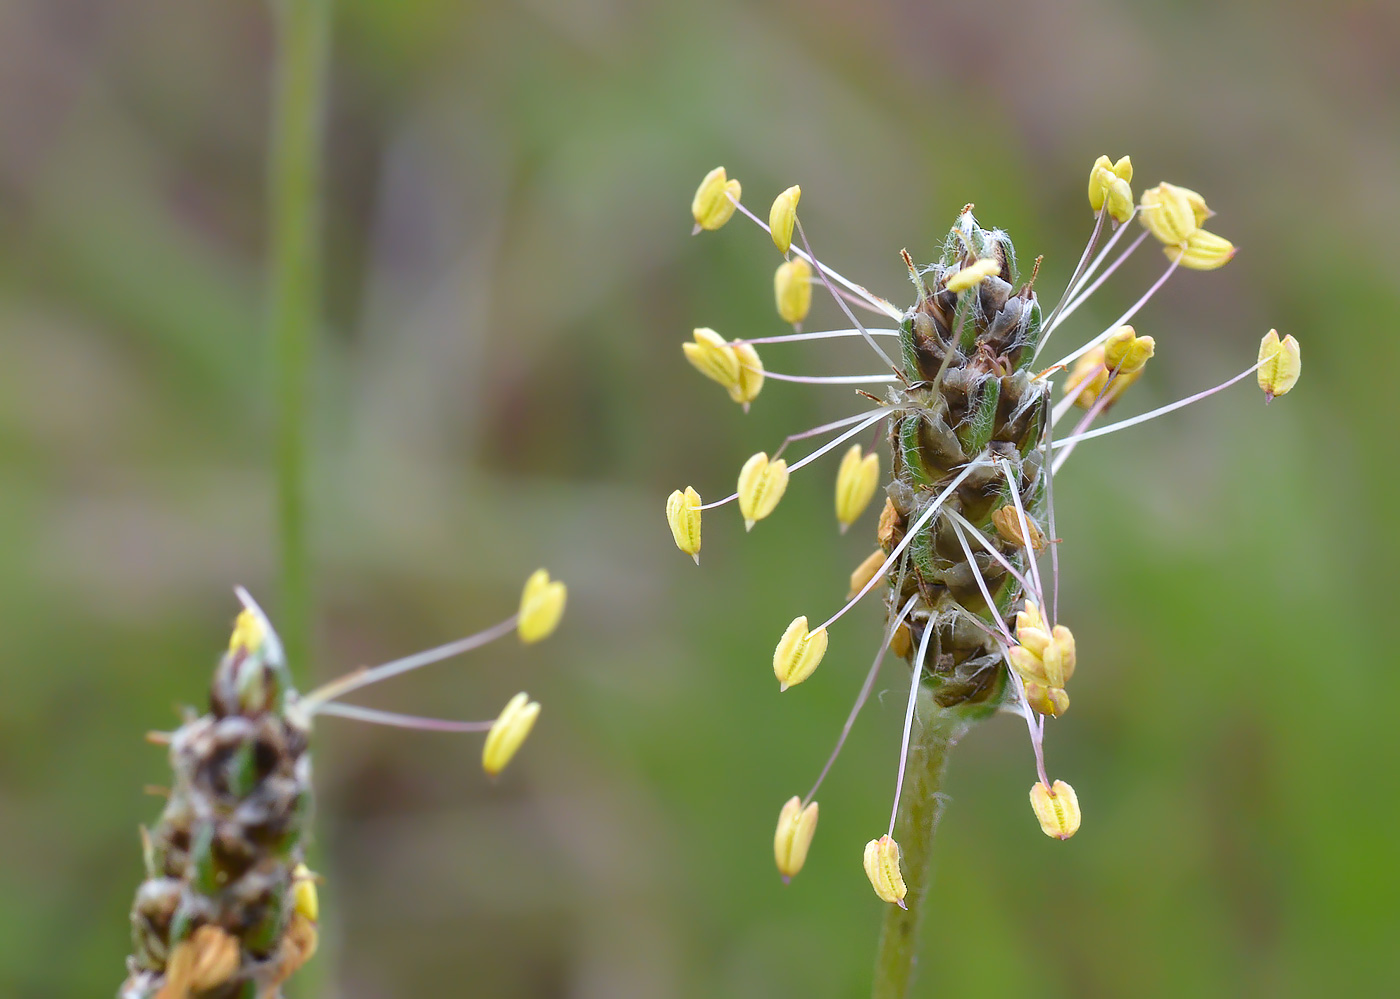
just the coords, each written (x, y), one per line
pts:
(294, 274)
(935, 733)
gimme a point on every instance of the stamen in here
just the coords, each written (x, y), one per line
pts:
(1051, 538)
(821, 273)
(1081, 299)
(834, 443)
(909, 536)
(1100, 404)
(918, 672)
(355, 680)
(402, 721)
(1132, 311)
(833, 425)
(1159, 411)
(1049, 323)
(830, 379)
(981, 582)
(1025, 530)
(817, 335)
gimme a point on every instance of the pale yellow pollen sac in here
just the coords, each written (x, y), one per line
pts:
(1057, 808)
(683, 514)
(208, 958)
(247, 633)
(1090, 382)
(792, 290)
(796, 827)
(902, 642)
(798, 654)
(508, 732)
(972, 275)
(856, 480)
(1045, 659)
(712, 205)
(713, 358)
(866, 571)
(1052, 701)
(782, 216)
(1110, 183)
(1280, 364)
(541, 607)
(1203, 251)
(1007, 521)
(761, 484)
(882, 868)
(304, 898)
(750, 382)
(1126, 352)
(1172, 213)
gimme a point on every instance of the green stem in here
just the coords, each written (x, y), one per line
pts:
(294, 273)
(935, 733)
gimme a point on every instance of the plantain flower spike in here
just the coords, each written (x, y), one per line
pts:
(796, 826)
(304, 898)
(792, 289)
(856, 480)
(1173, 213)
(712, 205)
(541, 607)
(1007, 521)
(683, 514)
(1110, 183)
(782, 216)
(508, 732)
(798, 654)
(882, 868)
(761, 485)
(1203, 251)
(1057, 808)
(972, 275)
(1280, 363)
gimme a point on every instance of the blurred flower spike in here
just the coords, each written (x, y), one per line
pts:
(967, 405)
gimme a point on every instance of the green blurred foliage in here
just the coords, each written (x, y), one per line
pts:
(500, 387)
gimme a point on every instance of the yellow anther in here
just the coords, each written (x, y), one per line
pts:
(902, 642)
(508, 732)
(1057, 808)
(792, 290)
(202, 962)
(683, 514)
(304, 899)
(761, 484)
(247, 633)
(750, 381)
(1172, 213)
(1126, 352)
(1052, 701)
(798, 654)
(1007, 521)
(782, 216)
(865, 572)
(1045, 656)
(1204, 251)
(972, 275)
(882, 868)
(856, 480)
(1280, 363)
(712, 205)
(1110, 183)
(713, 358)
(541, 606)
(796, 826)
(1089, 381)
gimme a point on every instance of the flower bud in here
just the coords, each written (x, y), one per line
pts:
(750, 381)
(248, 630)
(683, 514)
(882, 868)
(856, 480)
(713, 358)
(508, 732)
(796, 826)
(541, 607)
(1057, 808)
(1172, 213)
(1280, 363)
(202, 962)
(792, 289)
(1007, 521)
(1204, 251)
(304, 898)
(865, 572)
(782, 216)
(711, 205)
(1126, 352)
(798, 654)
(761, 485)
(972, 275)
(1109, 182)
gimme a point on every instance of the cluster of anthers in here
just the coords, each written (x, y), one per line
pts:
(970, 420)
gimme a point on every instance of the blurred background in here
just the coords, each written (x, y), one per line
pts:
(499, 386)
